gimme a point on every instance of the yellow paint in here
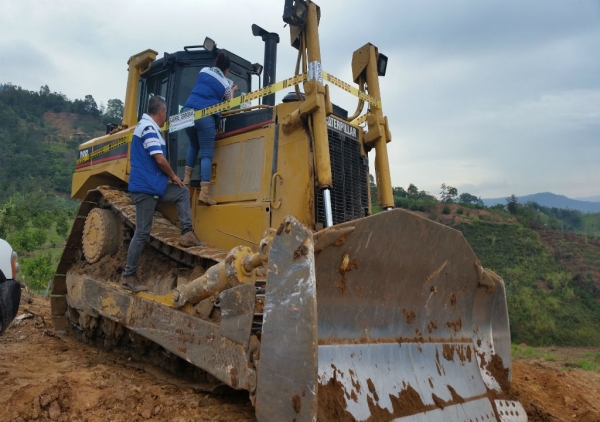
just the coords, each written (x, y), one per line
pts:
(166, 300)
(110, 307)
(364, 65)
(138, 65)
(242, 214)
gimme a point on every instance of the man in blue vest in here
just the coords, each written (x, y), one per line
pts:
(148, 185)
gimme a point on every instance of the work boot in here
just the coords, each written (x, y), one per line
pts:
(187, 177)
(130, 282)
(203, 196)
(189, 239)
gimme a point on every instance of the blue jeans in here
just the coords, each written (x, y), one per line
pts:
(145, 205)
(204, 143)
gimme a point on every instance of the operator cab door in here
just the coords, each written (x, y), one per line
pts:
(185, 78)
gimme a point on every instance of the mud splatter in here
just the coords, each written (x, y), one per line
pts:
(332, 402)
(372, 389)
(301, 251)
(410, 316)
(346, 266)
(296, 403)
(448, 352)
(455, 325)
(499, 372)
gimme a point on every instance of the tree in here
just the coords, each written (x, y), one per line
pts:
(448, 194)
(90, 106)
(512, 204)
(38, 271)
(399, 192)
(373, 188)
(62, 225)
(467, 198)
(114, 110)
(412, 191)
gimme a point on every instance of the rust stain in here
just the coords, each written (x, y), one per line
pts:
(452, 299)
(432, 325)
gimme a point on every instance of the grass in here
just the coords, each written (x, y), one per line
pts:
(586, 365)
(531, 353)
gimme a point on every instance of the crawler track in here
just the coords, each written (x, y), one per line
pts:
(88, 325)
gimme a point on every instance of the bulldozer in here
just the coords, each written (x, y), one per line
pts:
(299, 294)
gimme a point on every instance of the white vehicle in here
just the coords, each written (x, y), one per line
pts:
(10, 288)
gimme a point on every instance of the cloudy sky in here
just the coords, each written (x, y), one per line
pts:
(493, 97)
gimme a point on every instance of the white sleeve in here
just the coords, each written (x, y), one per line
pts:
(228, 93)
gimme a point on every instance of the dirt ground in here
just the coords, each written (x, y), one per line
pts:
(44, 377)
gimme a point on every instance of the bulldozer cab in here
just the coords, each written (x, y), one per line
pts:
(172, 77)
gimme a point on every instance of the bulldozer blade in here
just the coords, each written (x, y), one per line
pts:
(410, 326)
(287, 374)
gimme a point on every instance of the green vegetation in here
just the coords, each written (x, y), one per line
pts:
(547, 306)
(37, 225)
(552, 282)
(36, 155)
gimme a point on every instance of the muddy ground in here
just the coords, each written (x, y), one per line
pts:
(44, 377)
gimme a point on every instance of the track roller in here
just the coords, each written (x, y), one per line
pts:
(102, 234)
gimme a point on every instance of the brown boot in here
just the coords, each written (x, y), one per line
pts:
(203, 196)
(187, 177)
(130, 282)
(189, 239)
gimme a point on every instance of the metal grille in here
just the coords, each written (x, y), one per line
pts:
(350, 170)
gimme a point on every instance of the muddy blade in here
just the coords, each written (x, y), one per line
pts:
(287, 371)
(410, 326)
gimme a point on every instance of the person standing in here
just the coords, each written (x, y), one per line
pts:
(148, 185)
(211, 88)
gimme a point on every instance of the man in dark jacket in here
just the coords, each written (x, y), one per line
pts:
(148, 185)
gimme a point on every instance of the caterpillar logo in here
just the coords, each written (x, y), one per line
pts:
(342, 127)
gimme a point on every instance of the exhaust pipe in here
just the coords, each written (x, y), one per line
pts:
(271, 40)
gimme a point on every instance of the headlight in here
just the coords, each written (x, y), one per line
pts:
(14, 262)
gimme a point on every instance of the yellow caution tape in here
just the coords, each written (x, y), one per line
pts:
(242, 99)
(359, 120)
(352, 90)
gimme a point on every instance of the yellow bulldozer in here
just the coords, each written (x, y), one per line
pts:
(297, 294)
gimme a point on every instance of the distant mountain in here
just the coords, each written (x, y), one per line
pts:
(549, 199)
(590, 198)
